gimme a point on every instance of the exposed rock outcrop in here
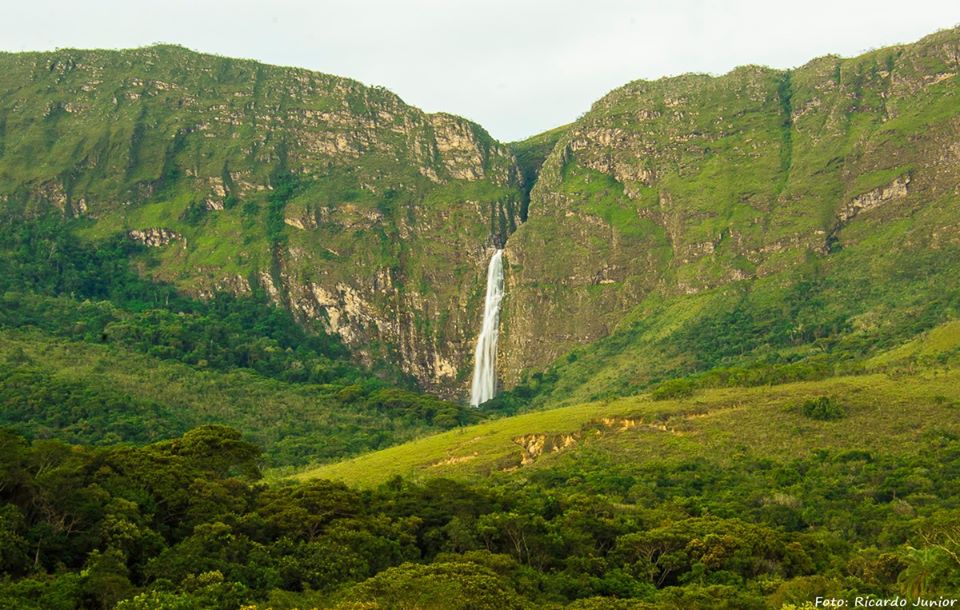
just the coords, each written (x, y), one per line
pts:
(154, 237)
(896, 190)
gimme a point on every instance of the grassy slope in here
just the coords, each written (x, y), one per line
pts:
(889, 411)
(139, 397)
(854, 307)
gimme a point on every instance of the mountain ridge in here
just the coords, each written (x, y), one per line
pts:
(673, 192)
(376, 219)
(187, 152)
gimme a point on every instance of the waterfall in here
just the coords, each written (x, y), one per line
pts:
(485, 358)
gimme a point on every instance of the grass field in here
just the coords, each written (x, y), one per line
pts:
(886, 413)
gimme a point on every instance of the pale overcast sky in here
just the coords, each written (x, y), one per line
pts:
(516, 67)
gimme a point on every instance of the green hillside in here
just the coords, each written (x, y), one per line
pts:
(781, 203)
(53, 388)
(739, 498)
(760, 216)
(90, 352)
(238, 305)
(856, 474)
(888, 413)
(345, 205)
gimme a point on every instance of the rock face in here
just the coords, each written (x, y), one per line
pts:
(336, 200)
(350, 208)
(154, 237)
(689, 184)
(875, 198)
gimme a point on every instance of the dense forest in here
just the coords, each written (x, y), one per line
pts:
(186, 523)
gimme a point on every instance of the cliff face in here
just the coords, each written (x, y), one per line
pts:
(345, 205)
(685, 185)
(338, 200)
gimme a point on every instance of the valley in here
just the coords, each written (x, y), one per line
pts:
(712, 327)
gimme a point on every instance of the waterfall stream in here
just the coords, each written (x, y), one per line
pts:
(484, 385)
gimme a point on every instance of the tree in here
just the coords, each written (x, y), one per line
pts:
(220, 450)
(926, 568)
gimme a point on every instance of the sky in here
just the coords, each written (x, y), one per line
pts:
(517, 67)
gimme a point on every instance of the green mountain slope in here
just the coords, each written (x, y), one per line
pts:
(340, 201)
(765, 215)
(97, 394)
(685, 223)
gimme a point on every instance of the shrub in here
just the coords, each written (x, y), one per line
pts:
(823, 408)
(675, 388)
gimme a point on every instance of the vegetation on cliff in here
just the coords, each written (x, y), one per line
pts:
(730, 335)
(346, 206)
(761, 217)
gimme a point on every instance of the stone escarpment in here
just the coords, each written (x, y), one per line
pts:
(336, 200)
(352, 209)
(686, 185)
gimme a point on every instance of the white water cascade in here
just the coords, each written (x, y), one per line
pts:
(485, 358)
